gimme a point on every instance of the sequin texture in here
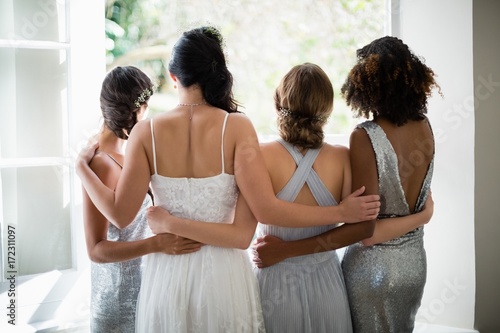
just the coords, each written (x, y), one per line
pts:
(115, 286)
(385, 282)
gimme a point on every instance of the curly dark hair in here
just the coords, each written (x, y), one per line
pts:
(198, 58)
(120, 94)
(304, 100)
(388, 80)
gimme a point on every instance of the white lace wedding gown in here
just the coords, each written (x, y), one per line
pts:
(211, 290)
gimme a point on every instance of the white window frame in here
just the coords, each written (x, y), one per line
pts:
(60, 298)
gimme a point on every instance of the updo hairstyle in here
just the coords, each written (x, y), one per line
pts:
(304, 101)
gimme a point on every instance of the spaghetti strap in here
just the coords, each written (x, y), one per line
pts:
(111, 157)
(222, 142)
(114, 160)
(153, 146)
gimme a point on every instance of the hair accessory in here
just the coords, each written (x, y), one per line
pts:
(214, 33)
(287, 113)
(146, 93)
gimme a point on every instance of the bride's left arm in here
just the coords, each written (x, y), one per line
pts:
(238, 234)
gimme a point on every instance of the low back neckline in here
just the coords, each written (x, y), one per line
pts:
(378, 156)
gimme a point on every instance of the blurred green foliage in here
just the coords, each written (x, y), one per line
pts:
(264, 39)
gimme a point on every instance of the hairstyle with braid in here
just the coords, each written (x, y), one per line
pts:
(388, 80)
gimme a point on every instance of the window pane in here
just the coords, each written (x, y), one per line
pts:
(263, 40)
(34, 102)
(36, 199)
(33, 20)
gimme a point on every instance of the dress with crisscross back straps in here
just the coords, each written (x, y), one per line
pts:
(304, 294)
(385, 282)
(211, 290)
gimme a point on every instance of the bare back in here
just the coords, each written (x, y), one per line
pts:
(413, 144)
(191, 148)
(331, 165)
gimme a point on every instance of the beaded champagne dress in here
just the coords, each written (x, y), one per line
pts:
(304, 294)
(115, 286)
(385, 282)
(211, 290)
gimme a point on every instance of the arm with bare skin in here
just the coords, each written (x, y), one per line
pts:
(120, 206)
(364, 172)
(269, 250)
(238, 234)
(254, 183)
(102, 250)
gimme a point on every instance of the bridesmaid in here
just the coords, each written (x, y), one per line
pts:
(393, 156)
(313, 297)
(116, 251)
(306, 293)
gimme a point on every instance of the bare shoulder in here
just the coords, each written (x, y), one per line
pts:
(142, 128)
(239, 119)
(100, 162)
(426, 127)
(335, 151)
(105, 168)
(240, 126)
(360, 148)
(359, 138)
(272, 148)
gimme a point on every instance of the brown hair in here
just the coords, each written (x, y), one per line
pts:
(304, 100)
(123, 91)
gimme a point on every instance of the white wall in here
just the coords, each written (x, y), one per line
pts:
(441, 32)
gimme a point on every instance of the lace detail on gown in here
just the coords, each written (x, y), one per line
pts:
(210, 199)
(211, 290)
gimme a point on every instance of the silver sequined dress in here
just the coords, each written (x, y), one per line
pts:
(115, 286)
(385, 282)
(304, 294)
